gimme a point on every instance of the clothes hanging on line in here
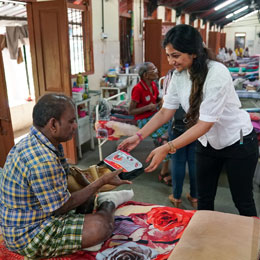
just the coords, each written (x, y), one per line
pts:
(13, 34)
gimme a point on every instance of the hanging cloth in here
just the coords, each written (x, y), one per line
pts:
(2, 42)
(13, 34)
(3, 45)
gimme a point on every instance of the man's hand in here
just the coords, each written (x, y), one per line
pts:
(113, 178)
(79, 197)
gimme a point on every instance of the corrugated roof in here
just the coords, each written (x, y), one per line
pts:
(12, 10)
(205, 9)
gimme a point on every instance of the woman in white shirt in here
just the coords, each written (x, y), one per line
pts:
(205, 90)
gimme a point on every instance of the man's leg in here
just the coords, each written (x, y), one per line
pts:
(99, 226)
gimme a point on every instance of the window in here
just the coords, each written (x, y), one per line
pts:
(80, 39)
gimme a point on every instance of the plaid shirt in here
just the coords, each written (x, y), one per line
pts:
(32, 186)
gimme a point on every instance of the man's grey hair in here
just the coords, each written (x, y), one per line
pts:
(142, 68)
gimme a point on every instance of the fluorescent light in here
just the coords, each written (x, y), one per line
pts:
(240, 34)
(249, 14)
(229, 15)
(241, 9)
(224, 4)
(245, 16)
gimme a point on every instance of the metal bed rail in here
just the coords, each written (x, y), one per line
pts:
(102, 141)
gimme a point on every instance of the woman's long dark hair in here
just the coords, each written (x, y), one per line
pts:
(187, 39)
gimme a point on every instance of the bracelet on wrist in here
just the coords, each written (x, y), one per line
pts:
(140, 136)
(172, 147)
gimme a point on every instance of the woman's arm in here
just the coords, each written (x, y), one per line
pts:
(164, 115)
(192, 134)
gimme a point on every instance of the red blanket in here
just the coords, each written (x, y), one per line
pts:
(142, 231)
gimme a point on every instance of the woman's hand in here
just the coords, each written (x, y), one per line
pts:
(157, 155)
(113, 178)
(129, 143)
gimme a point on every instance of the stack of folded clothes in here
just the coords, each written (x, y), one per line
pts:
(120, 113)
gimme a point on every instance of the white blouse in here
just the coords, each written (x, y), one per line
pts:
(220, 105)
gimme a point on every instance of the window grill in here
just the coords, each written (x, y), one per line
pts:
(75, 21)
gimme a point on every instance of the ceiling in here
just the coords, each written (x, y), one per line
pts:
(12, 11)
(204, 9)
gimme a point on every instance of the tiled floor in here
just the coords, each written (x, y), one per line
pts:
(148, 189)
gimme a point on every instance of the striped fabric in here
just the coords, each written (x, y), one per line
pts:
(247, 94)
(32, 186)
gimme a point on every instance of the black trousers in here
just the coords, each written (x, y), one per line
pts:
(240, 162)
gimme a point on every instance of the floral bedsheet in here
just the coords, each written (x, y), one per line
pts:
(151, 234)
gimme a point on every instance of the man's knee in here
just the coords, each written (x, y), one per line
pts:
(97, 228)
(104, 223)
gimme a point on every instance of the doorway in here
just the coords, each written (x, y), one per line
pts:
(125, 40)
(126, 32)
(17, 66)
(240, 40)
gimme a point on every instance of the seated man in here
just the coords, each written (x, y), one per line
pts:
(36, 209)
(239, 51)
(231, 58)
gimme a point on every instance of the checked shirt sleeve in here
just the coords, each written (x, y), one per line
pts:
(49, 184)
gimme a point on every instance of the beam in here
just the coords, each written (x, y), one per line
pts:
(186, 4)
(211, 6)
(236, 15)
(226, 10)
(12, 18)
(223, 22)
